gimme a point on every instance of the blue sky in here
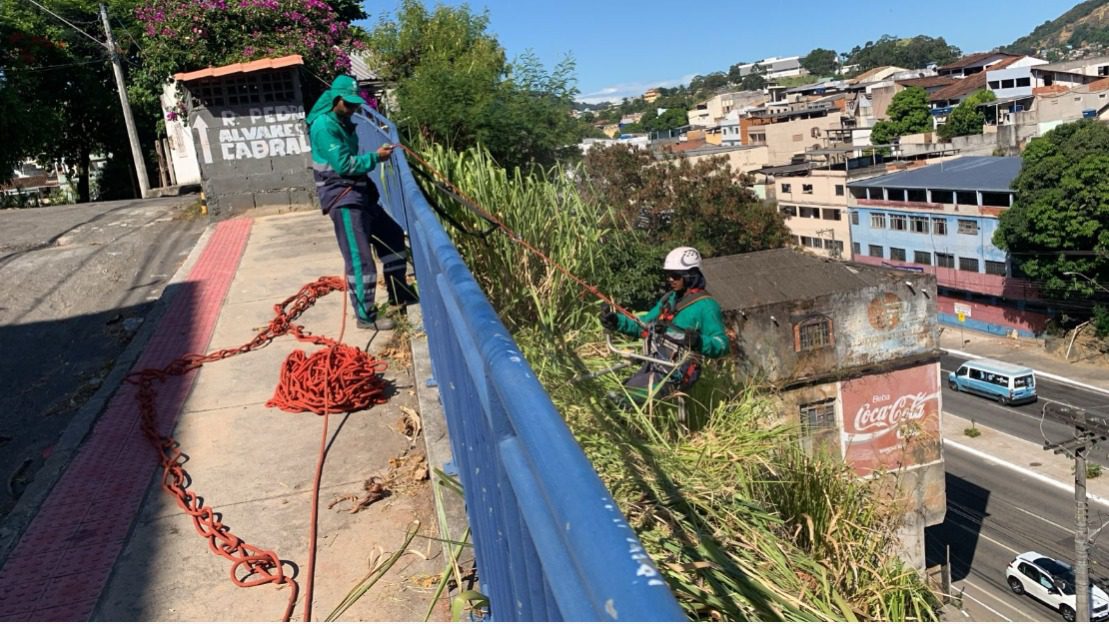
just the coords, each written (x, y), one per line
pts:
(623, 47)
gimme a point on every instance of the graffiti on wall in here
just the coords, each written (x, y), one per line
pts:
(264, 132)
(892, 420)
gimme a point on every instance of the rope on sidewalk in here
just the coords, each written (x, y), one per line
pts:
(336, 379)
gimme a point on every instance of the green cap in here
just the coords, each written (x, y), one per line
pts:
(345, 87)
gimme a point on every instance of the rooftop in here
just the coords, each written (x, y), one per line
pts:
(927, 82)
(1069, 66)
(979, 59)
(964, 87)
(240, 68)
(969, 173)
(750, 280)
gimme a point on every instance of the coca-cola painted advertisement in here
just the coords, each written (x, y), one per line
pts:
(892, 420)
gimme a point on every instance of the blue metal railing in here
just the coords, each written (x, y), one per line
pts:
(549, 541)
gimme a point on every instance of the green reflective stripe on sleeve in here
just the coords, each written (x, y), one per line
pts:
(356, 260)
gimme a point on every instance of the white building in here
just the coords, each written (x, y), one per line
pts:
(776, 67)
(1015, 80)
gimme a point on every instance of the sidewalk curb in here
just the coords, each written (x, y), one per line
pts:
(1021, 469)
(1039, 372)
(26, 508)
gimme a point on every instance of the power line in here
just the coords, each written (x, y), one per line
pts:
(50, 67)
(70, 24)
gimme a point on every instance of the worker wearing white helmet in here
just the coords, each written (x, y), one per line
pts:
(686, 316)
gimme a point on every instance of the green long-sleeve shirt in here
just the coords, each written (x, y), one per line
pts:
(335, 146)
(703, 315)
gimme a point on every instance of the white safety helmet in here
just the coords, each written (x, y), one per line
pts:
(682, 259)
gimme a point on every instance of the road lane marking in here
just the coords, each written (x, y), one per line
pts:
(1039, 372)
(988, 607)
(1038, 517)
(1066, 487)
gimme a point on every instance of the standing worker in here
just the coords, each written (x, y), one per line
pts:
(686, 318)
(348, 196)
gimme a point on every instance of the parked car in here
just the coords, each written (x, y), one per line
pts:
(1052, 582)
(995, 380)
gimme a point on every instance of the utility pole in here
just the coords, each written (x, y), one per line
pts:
(1087, 432)
(831, 233)
(132, 133)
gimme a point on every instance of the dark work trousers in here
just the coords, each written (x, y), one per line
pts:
(358, 229)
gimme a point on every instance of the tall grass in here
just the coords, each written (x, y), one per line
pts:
(743, 524)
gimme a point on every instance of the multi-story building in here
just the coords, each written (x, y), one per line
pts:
(1071, 73)
(974, 63)
(775, 67)
(1014, 80)
(813, 202)
(853, 351)
(940, 219)
(708, 114)
(650, 95)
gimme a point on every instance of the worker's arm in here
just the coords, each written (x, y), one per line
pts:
(714, 340)
(329, 146)
(627, 325)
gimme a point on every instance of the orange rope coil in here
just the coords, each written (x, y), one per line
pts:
(337, 378)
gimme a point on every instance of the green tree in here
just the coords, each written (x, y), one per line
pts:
(679, 202)
(911, 53)
(734, 75)
(907, 114)
(58, 93)
(820, 62)
(455, 86)
(967, 119)
(755, 80)
(1059, 221)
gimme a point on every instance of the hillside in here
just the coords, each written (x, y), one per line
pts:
(1084, 28)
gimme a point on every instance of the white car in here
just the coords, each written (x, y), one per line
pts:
(1052, 582)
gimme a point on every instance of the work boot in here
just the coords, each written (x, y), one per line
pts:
(381, 324)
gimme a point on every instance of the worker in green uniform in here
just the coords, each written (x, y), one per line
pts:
(687, 318)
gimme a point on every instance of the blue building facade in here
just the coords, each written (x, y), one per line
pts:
(941, 219)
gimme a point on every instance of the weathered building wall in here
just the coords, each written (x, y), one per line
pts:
(889, 320)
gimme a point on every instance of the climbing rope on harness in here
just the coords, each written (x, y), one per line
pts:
(335, 379)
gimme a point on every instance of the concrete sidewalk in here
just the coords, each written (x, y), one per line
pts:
(110, 544)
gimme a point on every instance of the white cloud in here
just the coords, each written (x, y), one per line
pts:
(617, 92)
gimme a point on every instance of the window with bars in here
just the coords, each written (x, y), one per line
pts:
(876, 251)
(995, 268)
(968, 226)
(946, 261)
(939, 227)
(819, 430)
(878, 220)
(839, 190)
(897, 253)
(919, 225)
(813, 334)
(899, 222)
(968, 264)
(922, 257)
(262, 87)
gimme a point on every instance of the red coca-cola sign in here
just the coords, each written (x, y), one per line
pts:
(892, 420)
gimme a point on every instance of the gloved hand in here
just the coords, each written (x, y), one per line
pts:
(608, 318)
(693, 340)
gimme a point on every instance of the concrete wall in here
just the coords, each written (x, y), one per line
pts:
(788, 138)
(741, 159)
(996, 79)
(887, 319)
(823, 197)
(182, 153)
(254, 156)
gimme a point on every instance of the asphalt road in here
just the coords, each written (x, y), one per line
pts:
(76, 283)
(1024, 421)
(994, 513)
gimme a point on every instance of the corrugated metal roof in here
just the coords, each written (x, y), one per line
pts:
(240, 68)
(978, 59)
(969, 173)
(749, 280)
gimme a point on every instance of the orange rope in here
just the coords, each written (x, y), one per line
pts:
(337, 378)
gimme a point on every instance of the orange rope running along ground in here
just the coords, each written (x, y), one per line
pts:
(336, 379)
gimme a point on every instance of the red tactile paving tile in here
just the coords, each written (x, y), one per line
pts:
(62, 563)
